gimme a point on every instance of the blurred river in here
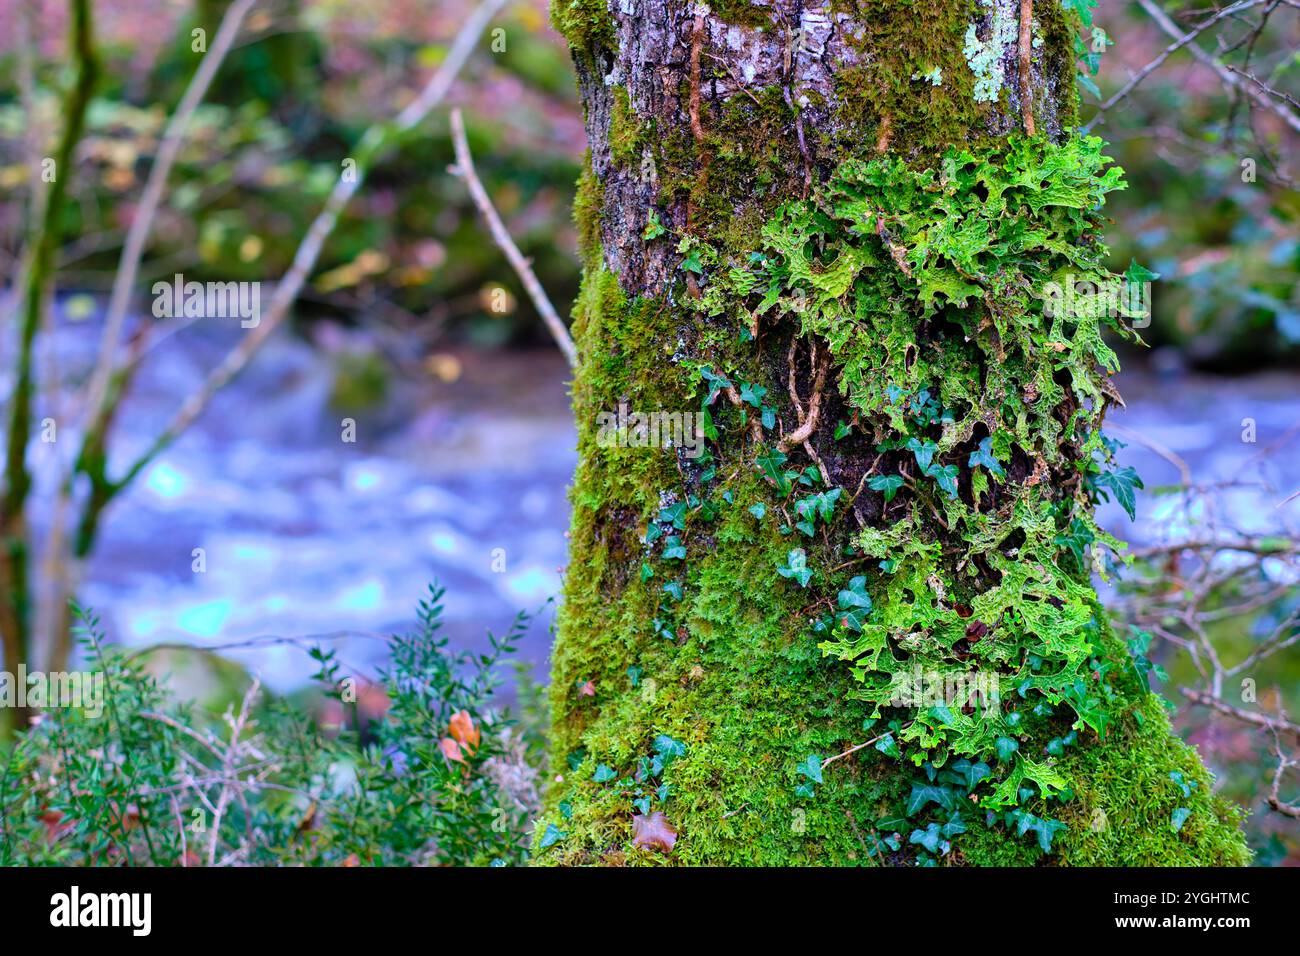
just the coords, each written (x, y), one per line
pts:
(304, 534)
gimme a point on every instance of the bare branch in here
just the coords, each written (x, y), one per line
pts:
(97, 393)
(1173, 48)
(464, 168)
(1229, 78)
(372, 144)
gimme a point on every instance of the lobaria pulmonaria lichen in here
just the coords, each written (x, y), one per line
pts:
(860, 626)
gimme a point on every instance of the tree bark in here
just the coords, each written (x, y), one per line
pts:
(706, 687)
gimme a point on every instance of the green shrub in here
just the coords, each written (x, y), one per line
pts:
(442, 777)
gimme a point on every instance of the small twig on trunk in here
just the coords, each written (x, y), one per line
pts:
(852, 750)
(697, 38)
(464, 168)
(1024, 49)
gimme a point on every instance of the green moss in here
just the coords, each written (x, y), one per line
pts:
(587, 202)
(586, 24)
(625, 133)
(742, 13)
(1058, 31)
(901, 46)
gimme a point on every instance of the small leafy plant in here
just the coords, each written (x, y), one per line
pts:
(442, 776)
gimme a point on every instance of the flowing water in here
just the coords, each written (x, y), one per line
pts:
(463, 481)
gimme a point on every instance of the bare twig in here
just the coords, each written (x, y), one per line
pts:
(1024, 48)
(464, 168)
(97, 391)
(1173, 48)
(1238, 713)
(375, 141)
(1287, 115)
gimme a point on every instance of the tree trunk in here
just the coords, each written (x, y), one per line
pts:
(824, 230)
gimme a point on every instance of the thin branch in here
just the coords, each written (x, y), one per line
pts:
(375, 141)
(1173, 48)
(97, 393)
(1206, 699)
(1226, 75)
(464, 168)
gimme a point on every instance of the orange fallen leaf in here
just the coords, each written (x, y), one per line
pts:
(462, 729)
(653, 831)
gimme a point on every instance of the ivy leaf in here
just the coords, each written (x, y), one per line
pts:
(796, 567)
(924, 794)
(1121, 482)
(888, 746)
(668, 748)
(759, 511)
(1137, 274)
(603, 774)
(552, 836)
(970, 774)
(889, 484)
(923, 451)
(946, 477)
(1045, 829)
(983, 455)
(1006, 746)
(855, 603)
(675, 515)
(929, 838)
(1087, 83)
(811, 767)
(674, 549)
(1083, 8)
(769, 463)
(1179, 818)
(653, 227)
(752, 393)
(691, 263)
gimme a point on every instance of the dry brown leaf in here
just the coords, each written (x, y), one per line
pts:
(653, 831)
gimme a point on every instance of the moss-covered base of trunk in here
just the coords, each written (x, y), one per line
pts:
(750, 696)
(741, 689)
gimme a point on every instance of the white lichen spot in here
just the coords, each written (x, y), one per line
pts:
(984, 57)
(933, 76)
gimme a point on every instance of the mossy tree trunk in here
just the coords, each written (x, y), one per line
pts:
(832, 232)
